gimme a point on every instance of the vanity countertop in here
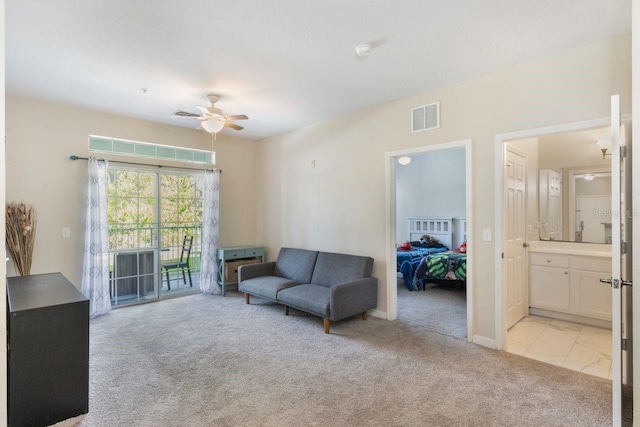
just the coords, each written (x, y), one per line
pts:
(571, 248)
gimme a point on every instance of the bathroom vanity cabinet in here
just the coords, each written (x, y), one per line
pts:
(570, 284)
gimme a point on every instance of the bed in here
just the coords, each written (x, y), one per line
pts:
(447, 267)
(408, 261)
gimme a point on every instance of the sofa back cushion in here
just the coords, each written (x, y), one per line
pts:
(295, 264)
(334, 269)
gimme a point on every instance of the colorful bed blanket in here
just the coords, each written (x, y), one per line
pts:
(445, 265)
(408, 261)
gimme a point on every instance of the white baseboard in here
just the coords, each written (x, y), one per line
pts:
(484, 341)
(571, 317)
(378, 313)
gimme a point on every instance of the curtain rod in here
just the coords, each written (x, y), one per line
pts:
(74, 157)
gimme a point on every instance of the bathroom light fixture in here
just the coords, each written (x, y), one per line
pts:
(604, 145)
(589, 177)
(404, 160)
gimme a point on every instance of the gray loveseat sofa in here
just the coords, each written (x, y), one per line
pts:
(332, 286)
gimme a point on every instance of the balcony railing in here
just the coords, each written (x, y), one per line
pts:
(137, 247)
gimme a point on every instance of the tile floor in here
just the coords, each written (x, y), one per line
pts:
(571, 345)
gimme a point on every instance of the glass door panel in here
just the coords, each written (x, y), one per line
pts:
(180, 231)
(133, 242)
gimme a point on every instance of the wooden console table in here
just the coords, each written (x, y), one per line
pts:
(238, 255)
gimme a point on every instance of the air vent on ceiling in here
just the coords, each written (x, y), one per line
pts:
(425, 117)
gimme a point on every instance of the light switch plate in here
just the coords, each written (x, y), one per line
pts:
(66, 232)
(486, 234)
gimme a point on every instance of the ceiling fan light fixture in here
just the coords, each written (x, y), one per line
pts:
(213, 125)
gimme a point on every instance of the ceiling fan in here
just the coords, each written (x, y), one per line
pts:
(212, 119)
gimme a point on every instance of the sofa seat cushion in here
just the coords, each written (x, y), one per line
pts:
(312, 298)
(266, 286)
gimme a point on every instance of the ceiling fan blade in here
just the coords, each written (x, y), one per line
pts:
(184, 115)
(237, 117)
(204, 110)
(233, 125)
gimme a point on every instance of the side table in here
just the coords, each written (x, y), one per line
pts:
(234, 257)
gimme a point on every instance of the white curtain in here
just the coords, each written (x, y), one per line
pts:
(209, 261)
(95, 268)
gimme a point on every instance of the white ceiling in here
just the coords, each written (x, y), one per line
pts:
(284, 63)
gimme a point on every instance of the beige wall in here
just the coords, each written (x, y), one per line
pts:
(40, 138)
(340, 205)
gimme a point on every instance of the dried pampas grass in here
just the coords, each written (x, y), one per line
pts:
(20, 235)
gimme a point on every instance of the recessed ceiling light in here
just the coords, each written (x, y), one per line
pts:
(589, 177)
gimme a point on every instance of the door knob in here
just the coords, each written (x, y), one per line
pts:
(606, 280)
(525, 245)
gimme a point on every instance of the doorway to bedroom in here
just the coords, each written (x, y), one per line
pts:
(429, 200)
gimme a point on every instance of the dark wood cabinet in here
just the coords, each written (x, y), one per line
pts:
(48, 350)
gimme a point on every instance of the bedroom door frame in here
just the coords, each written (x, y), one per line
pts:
(391, 158)
(501, 141)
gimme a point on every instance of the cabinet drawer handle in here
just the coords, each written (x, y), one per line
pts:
(566, 272)
(548, 260)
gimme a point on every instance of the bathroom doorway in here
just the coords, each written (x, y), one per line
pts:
(565, 274)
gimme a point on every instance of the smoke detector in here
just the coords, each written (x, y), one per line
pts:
(363, 50)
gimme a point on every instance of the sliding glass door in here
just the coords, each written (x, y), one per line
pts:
(155, 224)
(180, 231)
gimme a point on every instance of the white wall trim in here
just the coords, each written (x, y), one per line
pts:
(635, 203)
(378, 313)
(390, 170)
(500, 147)
(484, 341)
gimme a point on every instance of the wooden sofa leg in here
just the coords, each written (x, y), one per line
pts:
(364, 316)
(286, 310)
(247, 297)
(326, 325)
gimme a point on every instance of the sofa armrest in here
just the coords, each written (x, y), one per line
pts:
(349, 299)
(251, 271)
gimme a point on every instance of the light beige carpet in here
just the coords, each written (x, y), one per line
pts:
(212, 361)
(441, 308)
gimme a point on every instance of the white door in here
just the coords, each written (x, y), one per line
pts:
(620, 269)
(593, 214)
(515, 232)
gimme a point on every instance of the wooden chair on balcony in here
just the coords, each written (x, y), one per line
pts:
(182, 264)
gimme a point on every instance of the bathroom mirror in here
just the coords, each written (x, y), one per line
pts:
(568, 186)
